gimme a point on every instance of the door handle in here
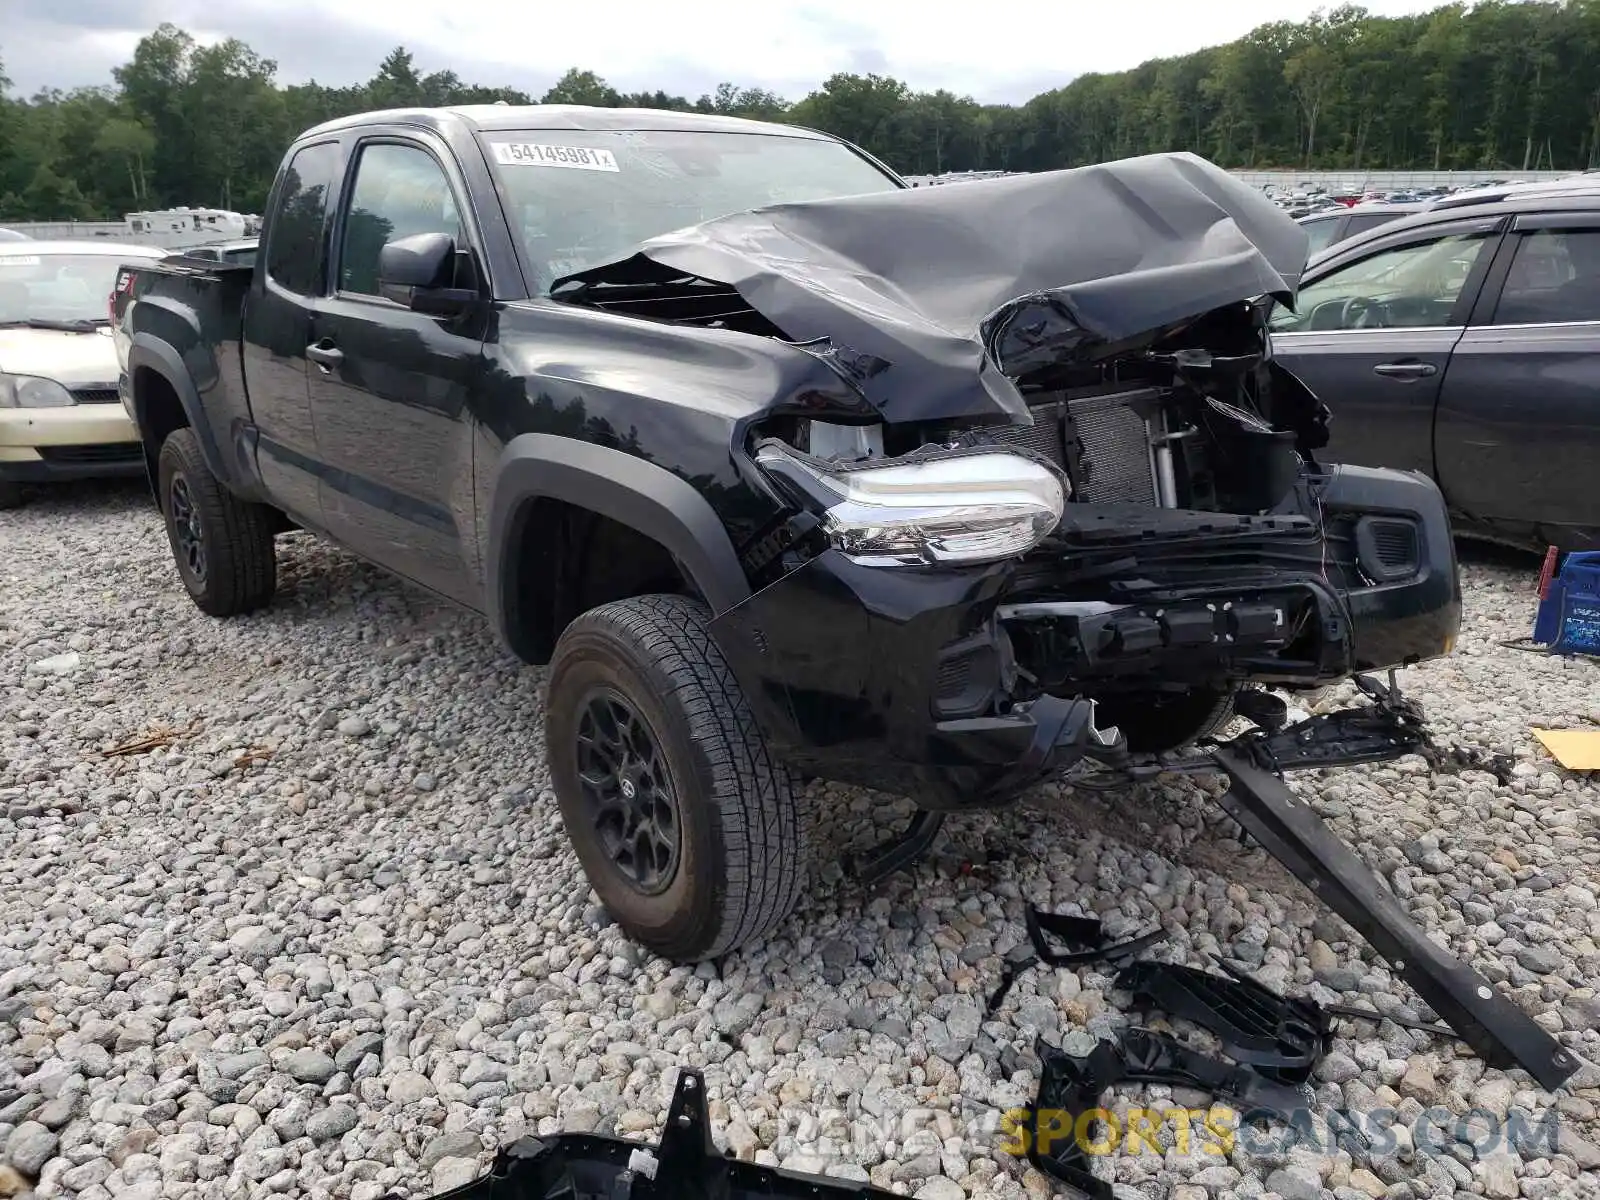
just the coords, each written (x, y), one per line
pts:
(1405, 370)
(325, 356)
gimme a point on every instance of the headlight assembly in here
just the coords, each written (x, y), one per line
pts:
(29, 391)
(965, 507)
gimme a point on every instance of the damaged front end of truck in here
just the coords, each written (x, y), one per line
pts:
(1076, 501)
(1072, 516)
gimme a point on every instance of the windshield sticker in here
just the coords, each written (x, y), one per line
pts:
(19, 260)
(533, 154)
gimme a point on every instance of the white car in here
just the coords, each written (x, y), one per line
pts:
(60, 417)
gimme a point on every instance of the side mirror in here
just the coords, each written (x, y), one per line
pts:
(419, 273)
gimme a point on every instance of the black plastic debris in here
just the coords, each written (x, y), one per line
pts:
(1070, 1086)
(1370, 1014)
(1282, 1038)
(685, 1165)
(1391, 726)
(1045, 930)
(1084, 932)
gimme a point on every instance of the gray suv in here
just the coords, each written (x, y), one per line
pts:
(1464, 342)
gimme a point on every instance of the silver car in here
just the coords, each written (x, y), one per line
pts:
(59, 413)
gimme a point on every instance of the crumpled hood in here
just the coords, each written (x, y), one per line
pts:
(74, 360)
(926, 294)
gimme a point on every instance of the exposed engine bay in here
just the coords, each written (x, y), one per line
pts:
(1197, 418)
(1198, 547)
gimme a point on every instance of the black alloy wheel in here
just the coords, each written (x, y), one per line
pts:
(627, 788)
(188, 536)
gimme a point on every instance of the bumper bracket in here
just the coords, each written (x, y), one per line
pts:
(1500, 1032)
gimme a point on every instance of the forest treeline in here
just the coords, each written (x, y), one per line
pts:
(1502, 85)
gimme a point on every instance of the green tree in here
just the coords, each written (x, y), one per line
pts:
(1496, 85)
(398, 85)
(864, 109)
(126, 140)
(229, 89)
(583, 87)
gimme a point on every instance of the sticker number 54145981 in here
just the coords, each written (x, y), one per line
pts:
(534, 154)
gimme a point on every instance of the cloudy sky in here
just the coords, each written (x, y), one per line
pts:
(995, 52)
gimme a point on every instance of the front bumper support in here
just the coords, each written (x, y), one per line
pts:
(1500, 1032)
(684, 1165)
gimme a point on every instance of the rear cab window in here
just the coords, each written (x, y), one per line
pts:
(579, 198)
(295, 244)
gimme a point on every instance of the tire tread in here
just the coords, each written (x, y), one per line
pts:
(755, 793)
(242, 561)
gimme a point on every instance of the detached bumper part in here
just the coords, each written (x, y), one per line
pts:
(1085, 932)
(1283, 1038)
(1502, 1034)
(686, 1165)
(1070, 1086)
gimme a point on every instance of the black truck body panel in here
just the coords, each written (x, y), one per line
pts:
(914, 662)
(431, 444)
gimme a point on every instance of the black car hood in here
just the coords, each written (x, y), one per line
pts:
(930, 298)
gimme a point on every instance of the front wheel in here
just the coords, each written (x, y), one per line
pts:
(223, 545)
(685, 822)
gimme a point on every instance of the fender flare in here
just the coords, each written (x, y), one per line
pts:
(627, 489)
(148, 352)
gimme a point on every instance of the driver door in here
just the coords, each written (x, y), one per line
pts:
(390, 387)
(1372, 335)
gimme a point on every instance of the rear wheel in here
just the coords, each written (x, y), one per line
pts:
(685, 822)
(223, 545)
(11, 495)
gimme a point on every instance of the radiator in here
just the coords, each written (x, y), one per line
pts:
(1115, 464)
(1043, 437)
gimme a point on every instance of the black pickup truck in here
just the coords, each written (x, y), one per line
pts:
(785, 469)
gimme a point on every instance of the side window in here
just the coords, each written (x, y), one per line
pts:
(294, 254)
(1403, 287)
(1320, 232)
(1554, 276)
(399, 191)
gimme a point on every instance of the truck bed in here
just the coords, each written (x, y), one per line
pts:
(182, 319)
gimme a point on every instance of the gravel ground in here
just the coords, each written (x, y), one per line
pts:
(327, 939)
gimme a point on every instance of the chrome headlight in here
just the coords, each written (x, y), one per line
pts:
(969, 507)
(29, 391)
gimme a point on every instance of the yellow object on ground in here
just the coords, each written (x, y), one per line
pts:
(1574, 749)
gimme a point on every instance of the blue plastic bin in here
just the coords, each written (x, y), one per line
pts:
(1568, 621)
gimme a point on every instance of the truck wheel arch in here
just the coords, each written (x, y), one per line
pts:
(626, 489)
(149, 354)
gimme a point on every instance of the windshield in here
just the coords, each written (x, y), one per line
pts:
(56, 287)
(582, 198)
